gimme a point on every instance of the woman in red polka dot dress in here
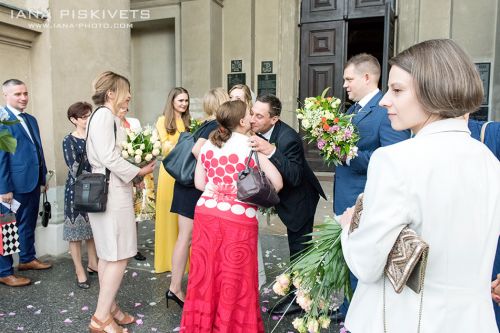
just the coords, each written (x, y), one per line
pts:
(222, 293)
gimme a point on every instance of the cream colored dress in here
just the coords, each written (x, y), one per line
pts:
(114, 230)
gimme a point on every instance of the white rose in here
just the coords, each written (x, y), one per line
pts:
(324, 322)
(312, 325)
(124, 145)
(284, 280)
(278, 289)
(138, 152)
(138, 159)
(148, 157)
(156, 152)
(147, 132)
(125, 154)
(143, 146)
(130, 151)
(305, 123)
(157, 144)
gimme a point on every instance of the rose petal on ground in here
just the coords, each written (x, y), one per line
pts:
(137, 304)
(71, 294)
(276, 317)
(177, 329)
(37, 282)
(265, 301)
(153, 278)
(85, 308)
(68, 321)
(138, 264)
(63, 311)
(30, 307)
(264, 309)
(12, 314)
(134, 274)
(140, 315)
(154, 329)
(20, 328)
(139, 322)
(37, 312)
(152, 303)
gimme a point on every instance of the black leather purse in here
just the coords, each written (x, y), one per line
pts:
(46, 212)
(180, 163)
(254, 187)
(91, 189)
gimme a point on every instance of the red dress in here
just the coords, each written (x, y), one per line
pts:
(222, 293)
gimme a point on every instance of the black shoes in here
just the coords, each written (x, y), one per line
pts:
(285, 308)
(173, 297)
(337, 317)
(139, 257)
(83, 285)
(91, 271)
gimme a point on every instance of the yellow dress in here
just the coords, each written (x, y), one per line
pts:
(166, 228)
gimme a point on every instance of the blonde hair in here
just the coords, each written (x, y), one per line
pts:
(169, 112)
(213, 100)
(246, 91)
(447, 82)
(109, 81)
(228, 116)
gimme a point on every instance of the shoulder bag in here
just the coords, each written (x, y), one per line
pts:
(254, 187)
(91, 189)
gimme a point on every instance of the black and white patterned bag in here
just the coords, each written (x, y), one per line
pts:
(9, 237)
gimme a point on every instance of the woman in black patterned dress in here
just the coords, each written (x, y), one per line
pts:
(76, 224)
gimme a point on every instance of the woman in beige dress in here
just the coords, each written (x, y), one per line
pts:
(114, 230)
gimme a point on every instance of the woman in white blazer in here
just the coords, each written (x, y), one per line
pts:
(444, 185)
(114, 230)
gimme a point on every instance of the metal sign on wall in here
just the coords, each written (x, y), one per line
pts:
(484, 69)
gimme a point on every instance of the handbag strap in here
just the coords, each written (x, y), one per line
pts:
(420, 308)
(80, 166)
(483, 130)
(256, 157)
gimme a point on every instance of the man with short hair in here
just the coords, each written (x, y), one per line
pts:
(361, 76)
(22, 177)
(301, 189)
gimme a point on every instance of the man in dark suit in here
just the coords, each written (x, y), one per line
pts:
(301, 189)
(361, 76)
(22, 177)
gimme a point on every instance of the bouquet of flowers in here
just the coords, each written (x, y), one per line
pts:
(145, 200)
(7, 142)
(142, 146)
(331, 129)
(318, 274)
(194, 125)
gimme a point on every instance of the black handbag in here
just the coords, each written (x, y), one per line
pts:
(46, 212)
(254, 187)
(180, 163)
(91, 189)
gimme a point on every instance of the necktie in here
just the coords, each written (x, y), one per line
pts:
(357, 107)
(38, 148)
(261, 136)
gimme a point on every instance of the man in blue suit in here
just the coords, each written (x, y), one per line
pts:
(361, 76)
(22, 177)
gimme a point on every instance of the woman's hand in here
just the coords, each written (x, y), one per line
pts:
(147, 169)
(495, 290)
(346, 218)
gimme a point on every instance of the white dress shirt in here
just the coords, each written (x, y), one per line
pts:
(17, 113)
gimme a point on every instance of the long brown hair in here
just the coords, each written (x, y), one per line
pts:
(228, 116)
(169, 112)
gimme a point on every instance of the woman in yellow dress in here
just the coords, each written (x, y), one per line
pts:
(175, 120)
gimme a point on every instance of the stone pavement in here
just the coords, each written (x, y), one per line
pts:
(53, 303)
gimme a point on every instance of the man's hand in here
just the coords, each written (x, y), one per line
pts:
(44, 188)
(7, 197)
(260, 145)
(495, 290)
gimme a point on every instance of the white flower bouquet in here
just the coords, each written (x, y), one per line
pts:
(318, 274)
(142, 146)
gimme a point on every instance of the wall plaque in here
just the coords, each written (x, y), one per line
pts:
(266, 67)
(233, 79)
(266, 84)
(236, 66)
(484, 69)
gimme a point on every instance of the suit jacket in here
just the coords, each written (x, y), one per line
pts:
(430, 183)
(375, 131)
(301, 189)
(19, 171)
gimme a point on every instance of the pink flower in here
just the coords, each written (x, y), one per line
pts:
(321, 143)
(334, 128)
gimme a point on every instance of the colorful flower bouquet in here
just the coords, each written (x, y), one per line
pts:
(142, 146)
(331, 129)
(145, 200)
(318, 274)
(194, 125)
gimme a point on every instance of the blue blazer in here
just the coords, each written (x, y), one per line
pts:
(375, 131)
(19, 171)
(491, 134)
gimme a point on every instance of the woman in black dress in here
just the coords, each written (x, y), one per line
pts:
(76, 224)
(185, 197)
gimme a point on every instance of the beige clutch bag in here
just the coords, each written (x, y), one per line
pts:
(408, 258)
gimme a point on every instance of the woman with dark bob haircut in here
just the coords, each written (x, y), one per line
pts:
(441, 183)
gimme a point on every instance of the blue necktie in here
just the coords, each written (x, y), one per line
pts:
(357, 107)
(38, 148)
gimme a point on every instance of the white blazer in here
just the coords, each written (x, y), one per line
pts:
(445, 186)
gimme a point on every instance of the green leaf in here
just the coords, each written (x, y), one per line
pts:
(7, 142)
(323, 94)
(9, 122)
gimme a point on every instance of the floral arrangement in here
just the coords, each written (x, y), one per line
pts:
(331, 129)
(7, 142)
(142, 146)
(317, 274)
(194, 125)
(145, 200)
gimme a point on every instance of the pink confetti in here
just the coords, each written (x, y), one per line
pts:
(265, 301)
(12, 314)
(2, 314)
(71, 294)
(20, 328)
(137, 305)
(134, 274)
(264, 309)
(85, 308)
(37, 312)
(343, 329)
(139, 322)
(266, 291)
(276, 317)
(63, 311)
(177, 329)
(67, 321)
(140, 315)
